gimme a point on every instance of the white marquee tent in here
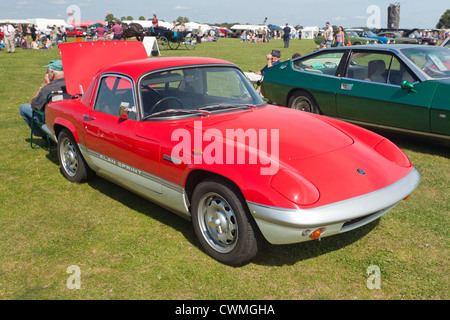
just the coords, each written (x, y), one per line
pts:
(43, 23)
(310, 32)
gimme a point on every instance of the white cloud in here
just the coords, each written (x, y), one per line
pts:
(338, 18)
(180, 8)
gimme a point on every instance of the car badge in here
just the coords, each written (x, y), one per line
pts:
(361, 172)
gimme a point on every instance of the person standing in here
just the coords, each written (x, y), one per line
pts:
(100, 32)
(33, 33)
(9, 33)
(64, 34)
(328, 35)
(340, 35)
(287, 35)
(117, 30)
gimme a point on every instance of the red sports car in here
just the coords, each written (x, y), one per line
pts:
(192, 135)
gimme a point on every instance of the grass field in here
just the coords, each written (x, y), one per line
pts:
(129, 248)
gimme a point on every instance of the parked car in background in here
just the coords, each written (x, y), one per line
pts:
(370, 35)
(169, 130)
(224, 31)
(399, 39)
(401, 87)
(354, 39)
(75, 32)
(418, 34)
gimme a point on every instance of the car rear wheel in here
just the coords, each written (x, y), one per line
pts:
(73, 165)
(223, 224)
(303, 101)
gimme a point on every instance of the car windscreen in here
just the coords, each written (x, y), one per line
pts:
(206, 89)
(435, 62)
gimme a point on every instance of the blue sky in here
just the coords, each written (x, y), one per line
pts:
(348, 13)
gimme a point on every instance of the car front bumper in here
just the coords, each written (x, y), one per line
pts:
(283, 226)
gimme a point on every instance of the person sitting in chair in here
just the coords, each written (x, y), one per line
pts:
(53, 81)
(272, 60)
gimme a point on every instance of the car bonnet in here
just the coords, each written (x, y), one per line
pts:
(82, 60)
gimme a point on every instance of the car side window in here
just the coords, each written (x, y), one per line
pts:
(399, 73)
(326, 63)
(114, 91)
(379, 68)
(369, 66)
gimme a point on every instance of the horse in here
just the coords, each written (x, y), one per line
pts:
(133, 30)
(130, 30)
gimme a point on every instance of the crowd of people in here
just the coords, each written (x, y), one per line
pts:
(16, 36)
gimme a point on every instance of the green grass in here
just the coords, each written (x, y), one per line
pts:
(129, 248)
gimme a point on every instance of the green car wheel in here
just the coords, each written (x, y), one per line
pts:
(303, 101)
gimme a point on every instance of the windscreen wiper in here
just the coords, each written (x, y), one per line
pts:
(228, 106)
(176, 111)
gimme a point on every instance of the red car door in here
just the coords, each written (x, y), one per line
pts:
(111, 140)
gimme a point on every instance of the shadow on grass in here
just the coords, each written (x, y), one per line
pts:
(144, 206)
(279, 255)
(273, 255)
(40, 143)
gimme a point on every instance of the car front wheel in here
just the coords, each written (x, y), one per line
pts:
(223, 224)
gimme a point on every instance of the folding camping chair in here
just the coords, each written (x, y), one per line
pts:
(38, 119)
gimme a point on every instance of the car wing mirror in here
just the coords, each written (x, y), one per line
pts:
(124, 109)
(408, 86)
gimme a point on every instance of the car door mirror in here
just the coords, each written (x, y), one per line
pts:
(124, 109)
(408, 86)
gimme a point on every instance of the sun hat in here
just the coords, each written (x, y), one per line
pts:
(55, 65)
(276, 53)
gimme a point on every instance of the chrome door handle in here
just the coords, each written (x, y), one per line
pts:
(88, 117)
(346, 86)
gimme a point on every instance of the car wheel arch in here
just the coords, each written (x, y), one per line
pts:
(58, 127)
(198, 175)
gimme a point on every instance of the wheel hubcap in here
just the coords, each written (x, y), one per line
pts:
(302, 104)
(218, 222)
(69, 157)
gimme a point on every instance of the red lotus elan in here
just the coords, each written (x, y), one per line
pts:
(192, 135)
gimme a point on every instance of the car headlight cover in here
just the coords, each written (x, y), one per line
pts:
(294, 187)
(393, 153)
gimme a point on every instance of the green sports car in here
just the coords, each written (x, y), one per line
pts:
(406, 87)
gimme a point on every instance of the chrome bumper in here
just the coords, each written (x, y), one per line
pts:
(283, 226)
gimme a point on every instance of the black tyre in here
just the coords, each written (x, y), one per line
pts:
(303, 101)
(163, 44)
(223, 224)
(73, 165)
(173, 45)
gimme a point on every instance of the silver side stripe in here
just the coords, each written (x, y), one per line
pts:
(124, 166)
(163, 192)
